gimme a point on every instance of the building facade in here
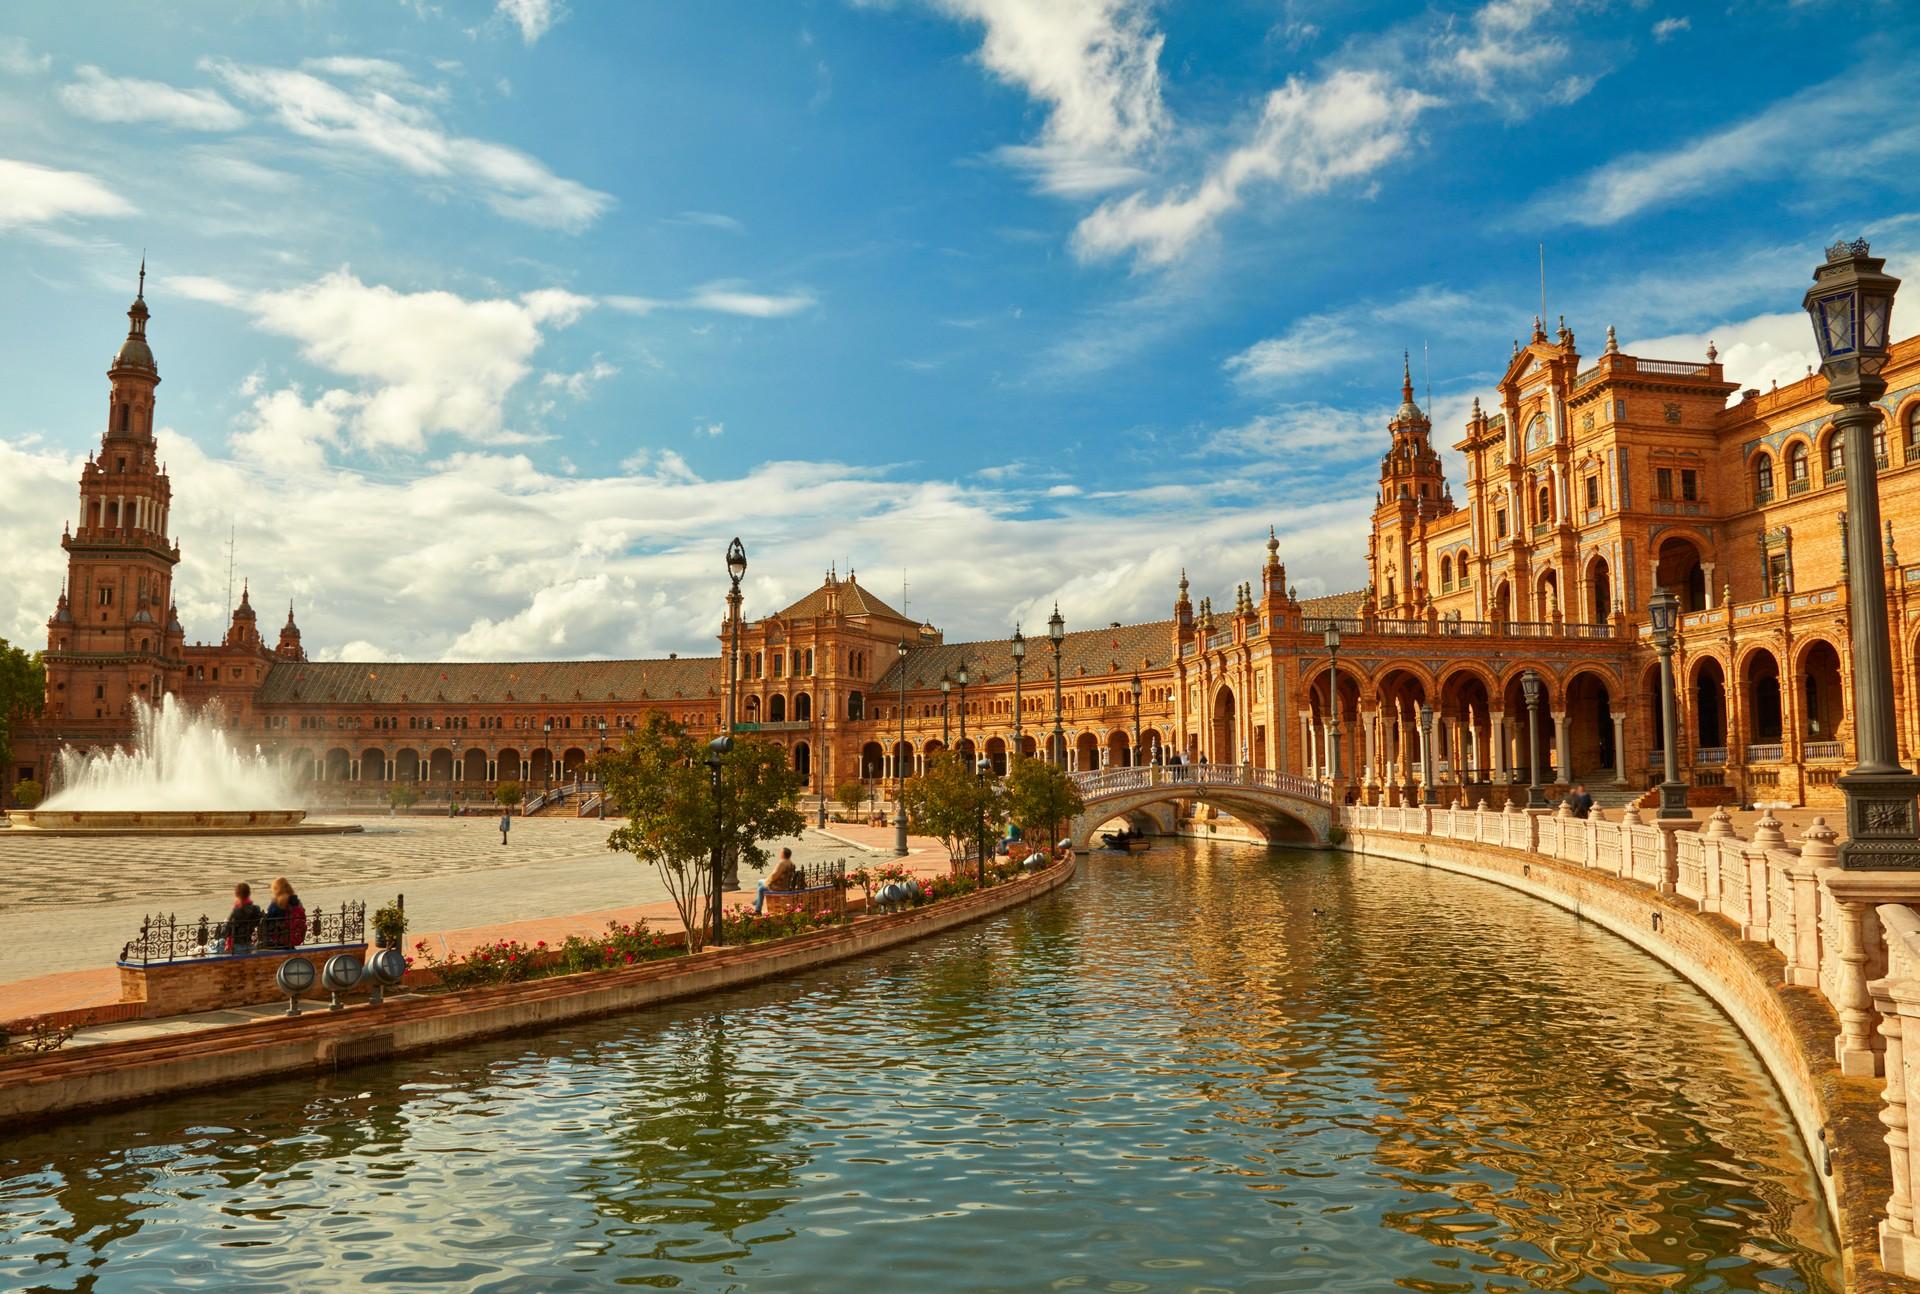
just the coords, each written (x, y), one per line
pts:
(1589, 486)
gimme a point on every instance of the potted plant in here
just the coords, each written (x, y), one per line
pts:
(390, 925)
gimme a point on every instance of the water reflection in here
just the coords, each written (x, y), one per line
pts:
(1198, 1068)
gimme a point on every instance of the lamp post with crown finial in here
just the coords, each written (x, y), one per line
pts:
(1663, 614)
(1332, 638)
(1133, 756)
(899, 767)
(1851, 305)
(1019, 648)
(962, 677)
(946, 694)
(1531, 689)
(1056, 634)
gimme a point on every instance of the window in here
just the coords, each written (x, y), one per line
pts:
(1880, 447)
(1500, 524)
(1763, 479)
(1836, 457)
(1446, 572)
(1663, 482)
(856, 706)
(1593, 491)
(1543, 505)
(1796, 465)
(1910, 445)
(106, 595)
(1689, 485)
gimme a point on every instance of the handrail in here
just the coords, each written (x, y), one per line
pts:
(1095, 783)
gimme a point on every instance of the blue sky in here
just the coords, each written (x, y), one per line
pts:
(484, 327)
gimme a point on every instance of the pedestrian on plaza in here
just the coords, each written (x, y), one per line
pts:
(285, 925)
(782, 877)
(506, 825)
(243, 923)
(1580, 801)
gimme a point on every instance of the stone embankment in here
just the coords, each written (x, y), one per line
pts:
(1818, 967)
(69, 1082)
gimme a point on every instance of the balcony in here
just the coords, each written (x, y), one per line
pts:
(1824, 750)
(1766, 754)
(1762, 496)
(1708, 756)
(1798, 487)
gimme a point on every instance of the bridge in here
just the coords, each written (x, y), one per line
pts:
(1281, 806)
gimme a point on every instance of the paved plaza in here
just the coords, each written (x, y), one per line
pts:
(68, 903)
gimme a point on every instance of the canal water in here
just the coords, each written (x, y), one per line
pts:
(1200, 1068)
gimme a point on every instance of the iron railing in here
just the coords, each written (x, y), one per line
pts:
(822, 890)
(167, 938)
(1114, 781)
(1824, 750)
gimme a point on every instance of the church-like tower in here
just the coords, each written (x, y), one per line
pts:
(112, 638)
(1413, 491)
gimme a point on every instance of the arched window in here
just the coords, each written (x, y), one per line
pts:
(123, 418)
(1880, 447)
(1537, 431)
(1446, 572)
(1836, 466)
(856, 706)
(802, 708)
(776, 709)
(1910, 442)
(1797, 465)
(753, 709)
(1543, 505)
(1763, 479)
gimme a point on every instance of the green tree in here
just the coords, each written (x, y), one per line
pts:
(851, 794)
(659, 780)
(23, 691)
(402, 795)
(1040, 795)
(950, 801)
(27, 794)
(508, 794)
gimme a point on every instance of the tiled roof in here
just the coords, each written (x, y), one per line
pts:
(514, 682)
(1337, 606)
(1100, 651)
(854, 601)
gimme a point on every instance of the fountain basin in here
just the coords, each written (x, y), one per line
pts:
(171, 822)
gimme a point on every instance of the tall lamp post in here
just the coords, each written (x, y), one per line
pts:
(1332, 639)
(1429, 793)
(1663, 615)
(716, 749)
(1531, 688)
(1133, 757)
(963, 678)
(946, 710)
(899, 772)
(1057, 633)
(1019, 661)
(736, 567)
(983, 769)
(546, 730)
(1851, 305)
(602, 772)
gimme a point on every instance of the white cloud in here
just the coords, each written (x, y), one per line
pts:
(1096, 65)
(1503, 57)
(32, 195)
(728, 296)
(1791, 138)
(229, 168)
(578, 384)
(199, 287)
(1754, 352)
(1667, 28)
(1312, 430)
(710, 430)
(285, 432)
(1319, 342)
(1310, 136)
(709, 220)
(18, 59)
(369, 120)
(99, 97)
(534, 18)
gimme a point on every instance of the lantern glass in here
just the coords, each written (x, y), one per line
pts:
(1136, 687)
(1019, 644)
(736, 560)
(1333, 637)
(1530, 685)
(963, 677)
(1875, 311)
(1833, 325)
(1056, 625)
(946, 684)
(903, 649)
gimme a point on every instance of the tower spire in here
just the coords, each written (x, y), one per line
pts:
(140, 293)
(1406, 378)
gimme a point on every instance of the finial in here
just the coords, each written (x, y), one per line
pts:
(140, 293)
(1476, 406)
(1516, 346)
(1712, 353)
(1406, 378)
(1893, 558)
(1613, 342)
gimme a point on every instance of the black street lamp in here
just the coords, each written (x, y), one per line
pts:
(1019, 661)
(899, 772)
(1531, 688)
(1133, 756)
(1663, 617)
(603, 772)
(963, 678)
(983, 769)
(1431, 794)
(716, 749)
(547, 729)
(1851, 305)
(1332, 639)
(946, 692)
(736, 568)
(1056, 633)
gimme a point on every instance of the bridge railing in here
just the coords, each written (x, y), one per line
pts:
(1095, 783)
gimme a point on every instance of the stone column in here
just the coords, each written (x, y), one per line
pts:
(1620, 747)
(1306, 744)
(1370, 720)
(1456, 750)
(1497, 736)
(1562, 747)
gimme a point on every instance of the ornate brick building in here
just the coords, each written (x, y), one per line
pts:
(1589, 486)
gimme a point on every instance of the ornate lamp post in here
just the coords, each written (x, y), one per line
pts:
(1663, 616)
(899, 772)
(1056, 634)
(983, 769)
(547, 731)
(717, 748)
(946, 694)
(1851, 305)
(1134, 756)
(1429, 793)
(963, 678)
(1332, 639)
(1531, 687)
(736, 567)
(1019, 660)
(603, 776)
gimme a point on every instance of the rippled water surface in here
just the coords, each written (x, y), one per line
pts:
(1193, 1069)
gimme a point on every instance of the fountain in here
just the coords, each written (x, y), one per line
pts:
(182, 776)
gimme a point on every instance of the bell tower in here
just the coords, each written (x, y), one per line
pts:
(111, 639)
(1413, 491)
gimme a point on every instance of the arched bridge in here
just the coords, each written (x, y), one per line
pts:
(1281, 806)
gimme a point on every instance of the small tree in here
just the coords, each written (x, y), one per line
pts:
(660, 782)
(950, 801)
(508, 794)
(851, 794)
(403, 795)
(26, 794)
(1040, 795)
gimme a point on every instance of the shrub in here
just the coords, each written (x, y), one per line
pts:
(390, 925)
(508, 794)
(851, 796)
(28, 793)
(403, 795)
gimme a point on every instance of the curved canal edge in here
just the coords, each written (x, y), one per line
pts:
(69, 1083)
(1791, 1029)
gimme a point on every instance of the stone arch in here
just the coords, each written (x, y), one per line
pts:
(473, 765)
(1086, 752)
(997, 755)
(856, 706)
(373, 765)
(512, 765)
(803, 707)
(337, 764)
(1547, 603)
(872, 761)
(1226, 726)
(1820, 697)
(1119, 750)
(1465, 723)
(1590, 705)
(572, 763)
(1501, 608)
(750, 710)
(440, 765)
(1680, 569)
(406, 765)
(1760, 474)
(803, 762)
(1760, 697)
(1599, 590)
(1708, 691)
(776, 708)
(1797, 454)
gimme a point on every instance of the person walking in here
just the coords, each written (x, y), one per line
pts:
(1579, 801)
(506, 825)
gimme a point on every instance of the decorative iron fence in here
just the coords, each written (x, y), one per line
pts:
(167, 938)
(822, 891)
